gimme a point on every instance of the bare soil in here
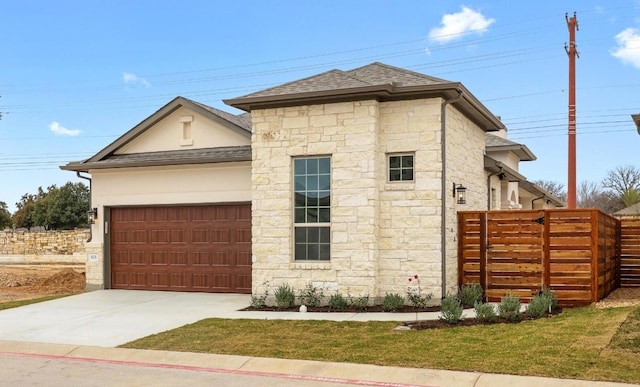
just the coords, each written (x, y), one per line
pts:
(21, 282)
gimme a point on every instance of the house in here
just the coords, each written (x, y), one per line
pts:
(632, 211)
(507, 188)
(347, 180)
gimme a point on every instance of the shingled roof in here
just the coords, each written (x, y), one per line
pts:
(107, 157)
(377, 81)
(496, 143)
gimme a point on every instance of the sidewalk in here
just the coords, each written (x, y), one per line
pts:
(337, 373)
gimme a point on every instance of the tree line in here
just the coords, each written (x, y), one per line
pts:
(619, 189)
(56, 208)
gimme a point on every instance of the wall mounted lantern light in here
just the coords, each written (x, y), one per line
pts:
(92, 215)
(460, 193)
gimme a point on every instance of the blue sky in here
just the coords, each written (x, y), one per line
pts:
(77, 74)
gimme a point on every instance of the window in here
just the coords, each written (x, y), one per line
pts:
(312, 208)
(401, 168)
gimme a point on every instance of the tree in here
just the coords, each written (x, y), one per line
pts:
(23, 217)
(622, 179)
(553, 187)
(57, 208)
(592, 195)
(5, 216)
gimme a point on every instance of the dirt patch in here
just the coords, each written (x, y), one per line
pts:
(20, 282)
(620, 297)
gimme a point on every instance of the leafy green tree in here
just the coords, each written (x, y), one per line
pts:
(57, 208)
(631, 197)
(23, 217)
(5, 216)
(67, 206)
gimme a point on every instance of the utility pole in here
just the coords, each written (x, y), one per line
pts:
(572, 51)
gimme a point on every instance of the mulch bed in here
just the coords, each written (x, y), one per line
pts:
(326, 309)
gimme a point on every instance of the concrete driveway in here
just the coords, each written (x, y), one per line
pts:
(108, 318)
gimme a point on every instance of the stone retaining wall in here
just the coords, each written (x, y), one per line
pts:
(43, 246)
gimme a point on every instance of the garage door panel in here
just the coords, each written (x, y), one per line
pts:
(190, 248)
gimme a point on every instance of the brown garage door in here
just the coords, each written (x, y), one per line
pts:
(187, 248)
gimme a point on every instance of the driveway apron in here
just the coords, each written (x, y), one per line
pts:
(109, 318)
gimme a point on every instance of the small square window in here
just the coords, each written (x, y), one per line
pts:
(401, 168)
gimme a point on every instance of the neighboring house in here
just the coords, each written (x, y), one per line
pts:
(507, 188)
(629, 212)
(352, 179)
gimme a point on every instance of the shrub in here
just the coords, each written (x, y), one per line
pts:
(538, 306)
(450, 310)
(260, 301)
(509, 308)
(485, 313)
(392, 302)
(414, 293)
(338, 302)
(470, 294)
(285, 298)
(358, 303)
(311, 295)
(550, 295)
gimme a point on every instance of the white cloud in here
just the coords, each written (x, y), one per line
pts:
(628, 50)
(132, 79)
(62, 131)
(455, 25)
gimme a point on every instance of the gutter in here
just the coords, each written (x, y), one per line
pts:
(541, 197)
(444, 189)
(89, 179)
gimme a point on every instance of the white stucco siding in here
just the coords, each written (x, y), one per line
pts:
(202, 132)
(171, 185)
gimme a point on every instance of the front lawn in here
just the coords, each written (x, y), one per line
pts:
(581, 343)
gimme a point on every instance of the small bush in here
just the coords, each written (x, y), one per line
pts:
(359, 303)
(285, 298)
(392, 302)
(538, 306)
(311, 295)
(450, 310)
(550, 295)
(485, 313)
(260, 301)
(338, 302)
(509, 308)
(470, 294)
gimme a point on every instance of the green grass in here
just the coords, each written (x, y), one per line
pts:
(15, 304)
(575, 344)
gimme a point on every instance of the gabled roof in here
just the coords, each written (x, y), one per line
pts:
(175, 157)
(631, 210)
(376, 81)
(106, 158)
(495, 143)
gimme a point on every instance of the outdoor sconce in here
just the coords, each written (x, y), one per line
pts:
(460, 193)
(92, 214)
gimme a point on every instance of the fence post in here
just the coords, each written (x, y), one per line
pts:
(546, 250)
(483, 251)
(595, 225)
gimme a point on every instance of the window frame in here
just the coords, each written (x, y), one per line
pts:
(316, 241)
(401, 167)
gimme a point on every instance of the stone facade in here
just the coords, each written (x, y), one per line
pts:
(381, 232)
(43, 247)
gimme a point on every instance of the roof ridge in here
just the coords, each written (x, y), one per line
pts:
(281, 85)
(400, 69)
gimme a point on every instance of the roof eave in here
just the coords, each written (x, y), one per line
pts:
(387, 92)
(636, 120)
(85, 167)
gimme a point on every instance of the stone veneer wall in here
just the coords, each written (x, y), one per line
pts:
(381, 232)
(43, 246)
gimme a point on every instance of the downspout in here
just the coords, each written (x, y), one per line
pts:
(489, 185)
(541, 197)
(444, 188)
(89, 179)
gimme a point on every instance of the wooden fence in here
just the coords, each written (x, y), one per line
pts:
(630, 252)
(576, 253)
